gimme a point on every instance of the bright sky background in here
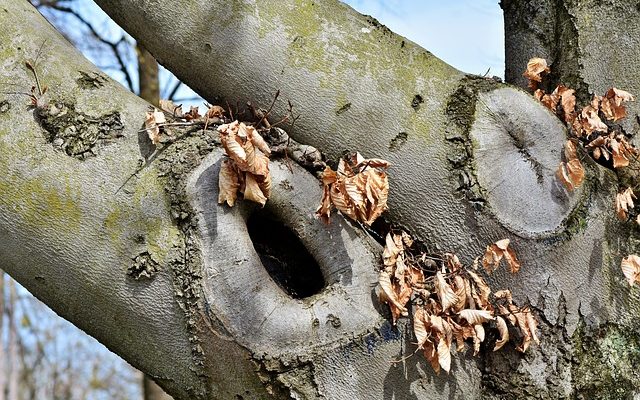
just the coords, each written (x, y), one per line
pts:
(467, 34)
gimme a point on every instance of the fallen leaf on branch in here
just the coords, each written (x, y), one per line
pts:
(494, 254)
(446, 295)
(621, 149)
(474, 317)
(215, 112)
(535, 68)
(570, 173)
(228, 183)
(504, 333)
(359, 190)
(623, 203)
(248, 160)
(170, 108)
(611, 105)
(631, 268)
(448, 302)
(151, 122)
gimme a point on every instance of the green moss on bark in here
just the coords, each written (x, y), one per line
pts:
(606, 363)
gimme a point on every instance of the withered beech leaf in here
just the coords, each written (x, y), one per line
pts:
(192, 114)
(620, 149)
(631, 269)
(504, 333)
(482, 289)
(384, 280)
(446, 295)
(611, 104)
(153, 118)
(169, 107)
(228, 183)
(494, 254)
(215, 112)
(571, 173)
(231, 146)
(567, 101)
(431, 354)
(535, 68)
(391, 250)
(258, 140)
(420, 326)
(474, 317)
(252, 190)
(255, 161)
(359, 191)
(624, 202)
(444, 354)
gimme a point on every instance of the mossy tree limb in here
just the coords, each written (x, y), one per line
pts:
(355, 85)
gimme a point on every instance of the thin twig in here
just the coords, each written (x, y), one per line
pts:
(273, 102)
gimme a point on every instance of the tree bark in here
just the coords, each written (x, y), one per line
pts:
(472, 162)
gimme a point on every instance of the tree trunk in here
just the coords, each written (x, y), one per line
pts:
(472, 162)
(148, 77)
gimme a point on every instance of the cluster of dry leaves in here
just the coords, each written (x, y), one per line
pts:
(603, 143)
(449, 302)
(247, 168)
(587, 125)
(156, 119)
(358, 189)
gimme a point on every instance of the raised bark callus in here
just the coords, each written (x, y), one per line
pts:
(472, 162)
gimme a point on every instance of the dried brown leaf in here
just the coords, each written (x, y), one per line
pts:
(215, 112)
(384, 280)
(324, 210)
(630, 266)
(446, 295)
(169, 107)
(611, 105)
(494, 254)
(623, 203)
(481, 288)
(474, 317)
(420, 325)
(256, 162)
(228, 183)
(258, 141)
(431, 354)
(535, 68)
(391, 250)
(567, 101)
(193, 114)
(153, 118)
(504, 333)
(252, 190)
(444, 355)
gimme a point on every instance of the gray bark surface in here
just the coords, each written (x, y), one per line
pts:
(469, 159)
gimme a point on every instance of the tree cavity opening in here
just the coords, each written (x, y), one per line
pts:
(284, 256)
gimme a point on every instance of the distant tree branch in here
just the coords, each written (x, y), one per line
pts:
(58, 5)
(174, 90)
